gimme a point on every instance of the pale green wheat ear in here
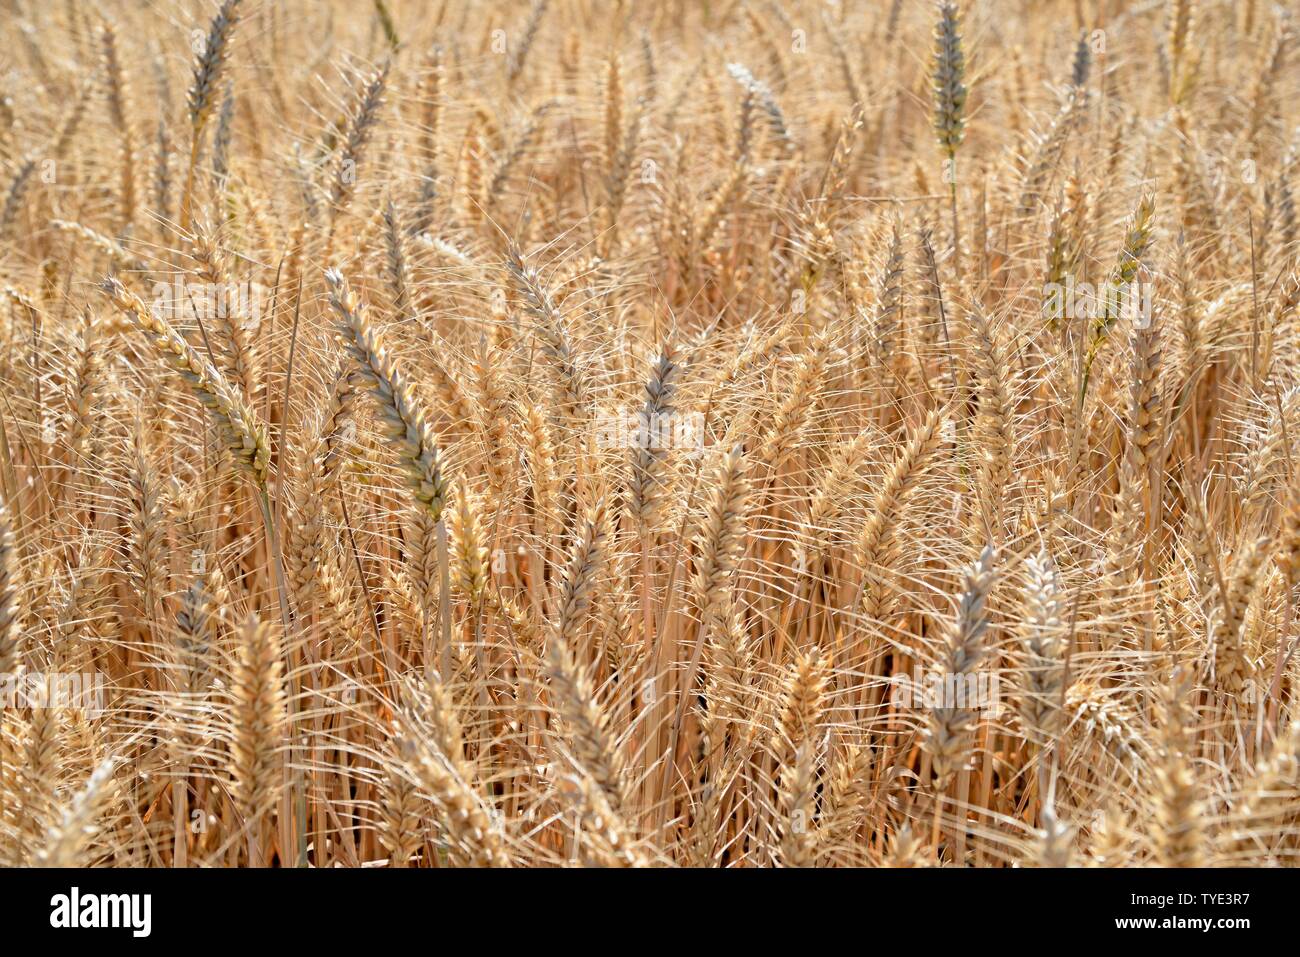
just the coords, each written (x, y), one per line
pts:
(1082, 64)
(948, 77)
(211, 64)
(202, 94)
(948, 82)
(1137, 241)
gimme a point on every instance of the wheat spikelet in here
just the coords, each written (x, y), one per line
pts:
(948, 731)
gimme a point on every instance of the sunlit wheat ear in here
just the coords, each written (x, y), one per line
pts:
(497, 410)
(519, 53)
(605, 838)
(395, 246)
(9, 634)
(1145, 402)
(1111, 841)
(875, 551)
(906, 850)
(766, 99)
(890, 297)
(648, 455)
(539, 453)
(1049, 147)
(361, 127)
(796, 745)
(719, 536)
(993, 429)
(469, 551)
(1232, 661)
(15, 196)
(797, 786)
(1043, 631)
(796, 406)
(69, 841)
(585, 560)
(833, 494)
(234, 348)
(105, 244)
(305, 536)
(221, 139)
(1177, 833)
(1062, 260)
(730, 672)
(194, 627)
(429, 740)
(846, 804)
(85, 387)
(338, 421)
(1055, 844)
(802, 700)
(947, 736)
(571, 385)
(1263, 814)
(404, 418)
(401, 828)
(32, 778)
(258, 720)
(1112, 727)
(586, 732)
(146, 547)
(242, 432)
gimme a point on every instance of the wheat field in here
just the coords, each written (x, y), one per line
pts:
(703, 433)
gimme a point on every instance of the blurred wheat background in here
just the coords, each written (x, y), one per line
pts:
(643, 434)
